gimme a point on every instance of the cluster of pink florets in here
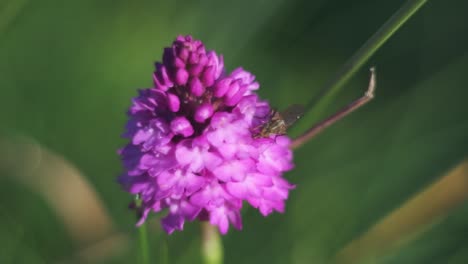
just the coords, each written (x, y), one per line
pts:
(194, 146)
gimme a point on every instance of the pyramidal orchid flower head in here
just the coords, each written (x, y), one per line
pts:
(194, 146)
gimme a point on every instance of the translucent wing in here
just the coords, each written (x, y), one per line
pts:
(291, 114)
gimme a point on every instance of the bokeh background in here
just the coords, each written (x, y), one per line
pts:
(378, 187)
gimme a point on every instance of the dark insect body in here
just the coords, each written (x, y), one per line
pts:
(279, 122)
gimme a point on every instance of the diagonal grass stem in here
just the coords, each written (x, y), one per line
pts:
(318, 104)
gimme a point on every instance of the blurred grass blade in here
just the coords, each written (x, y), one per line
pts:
(353, 106)
(8, 13)
(59, 182)
(408, 221)
(361, 56)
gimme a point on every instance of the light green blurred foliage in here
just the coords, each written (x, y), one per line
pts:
(68, 70)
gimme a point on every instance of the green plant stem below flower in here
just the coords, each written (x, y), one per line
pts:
(143, 238)
(212, 247)
(143, 234)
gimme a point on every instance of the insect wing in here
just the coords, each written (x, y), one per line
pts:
(291, 114)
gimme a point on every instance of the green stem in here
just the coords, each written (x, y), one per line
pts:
(164, 252)
(212, 247)
(363, 54)
(143, 237)
(143, 234)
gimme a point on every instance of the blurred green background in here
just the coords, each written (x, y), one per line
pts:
(68, 70)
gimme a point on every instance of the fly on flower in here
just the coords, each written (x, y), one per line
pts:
(279, 122)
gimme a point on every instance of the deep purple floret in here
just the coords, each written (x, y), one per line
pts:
(194, 147)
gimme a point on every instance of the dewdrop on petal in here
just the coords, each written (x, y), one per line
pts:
(194, 146)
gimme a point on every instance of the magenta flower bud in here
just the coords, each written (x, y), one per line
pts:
(161, 78)
(203, 112)
(194, 57)
(233, 89)
(219, 66)
(234, 99)
(158, 84)
(203, 59)
(208, 170)
(181, 76)
(221, 87)
(184, 54)
(246, 79)
(181, 126)
(196, 87)
(242, 85)
(199, 47)
(196, 69)
(179, 63)
(208, 76)
(165, 76)
(183, 38)
(173, 102)
(168, 57)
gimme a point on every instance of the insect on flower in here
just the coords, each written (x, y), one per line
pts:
(279, 122)
(192, 144)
